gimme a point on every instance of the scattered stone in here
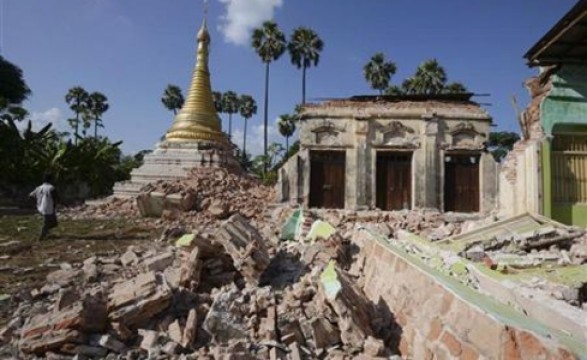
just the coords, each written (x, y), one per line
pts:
(137, 300)
(110, 343)
(159, 262)
(191, 329)
(246, 247)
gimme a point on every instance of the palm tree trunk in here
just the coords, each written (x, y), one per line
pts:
(304, 83)
(286, 145)
(230, 126)
(265, 115)
(76, 127)
(245, 140)
(96, 128)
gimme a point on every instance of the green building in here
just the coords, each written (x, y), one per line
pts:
(547, 171)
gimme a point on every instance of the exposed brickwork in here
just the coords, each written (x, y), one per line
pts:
(436, 321)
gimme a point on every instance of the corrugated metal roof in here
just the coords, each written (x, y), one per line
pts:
(565, 42)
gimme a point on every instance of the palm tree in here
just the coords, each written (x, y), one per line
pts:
(287, 127)
(97, 106)
(247, 107)
(230, 106)
(394, 90)
(304, 48)
(172, 98)
(269, 43)
(77, 99)
(217, 98)
(430, 78)
(455, 88)
(378, 72)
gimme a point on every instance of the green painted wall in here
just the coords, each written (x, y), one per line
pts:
(546, 179)
(567, 101)
(564, 110)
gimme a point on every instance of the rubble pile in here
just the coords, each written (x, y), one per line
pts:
(225, 293)
(206, 196)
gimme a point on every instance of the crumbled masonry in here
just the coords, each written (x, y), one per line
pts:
(235, 287)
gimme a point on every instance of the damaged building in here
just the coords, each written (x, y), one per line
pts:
(392, 153)
(546, 173)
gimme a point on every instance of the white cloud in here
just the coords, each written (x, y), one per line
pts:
(255, 138)
(242, 16)
(41, 119)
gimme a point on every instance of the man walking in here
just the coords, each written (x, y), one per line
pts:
(46, 196)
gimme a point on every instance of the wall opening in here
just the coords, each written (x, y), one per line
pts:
(394, 180)
(461, 182)
(327, 179)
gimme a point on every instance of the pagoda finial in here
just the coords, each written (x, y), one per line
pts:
(198, 119)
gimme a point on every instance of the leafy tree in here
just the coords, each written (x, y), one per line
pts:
(455, 88)
(97, 106)
(430, 78)
(172, 98)
(230, 106)
(500, 143)
(269, 43)
(378, 72)
(262, 164)
(247, 108)
(13, 88)
(304, 48)
(77, 99)
(287, 127)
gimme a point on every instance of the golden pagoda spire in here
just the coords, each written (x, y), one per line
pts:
(198, 119)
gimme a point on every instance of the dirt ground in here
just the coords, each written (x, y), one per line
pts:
(25, 262)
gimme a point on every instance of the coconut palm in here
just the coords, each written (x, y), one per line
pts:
(269, 43)
(304, 48)
(77, 99)
(172, 98)
(455, 88)
(378, 72)
(247, 107)
(287, 127)
(430, 78)
(230, 106)
(217, 98)
(97, 106)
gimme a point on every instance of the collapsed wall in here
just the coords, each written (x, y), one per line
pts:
(436, 317)
(520, 187)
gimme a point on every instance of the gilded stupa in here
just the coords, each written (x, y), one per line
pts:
(198, 119)
(195, 138)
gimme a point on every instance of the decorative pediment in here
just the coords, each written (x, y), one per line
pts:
(327, 133)
(396, 128)
(465, 136)
(397, 135)
(465, 127)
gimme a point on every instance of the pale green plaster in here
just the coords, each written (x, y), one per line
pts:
(567, 101)
(574, 214)
(504, 313)
(546, 179)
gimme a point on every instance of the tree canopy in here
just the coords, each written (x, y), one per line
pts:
(13, 88)
(378, 72)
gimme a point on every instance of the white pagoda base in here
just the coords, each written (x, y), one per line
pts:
(172, 161)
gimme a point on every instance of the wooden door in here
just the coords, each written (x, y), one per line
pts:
(461, 183)
(394, 180)
(327, 179)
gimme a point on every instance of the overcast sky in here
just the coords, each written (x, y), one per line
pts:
(131, 49)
